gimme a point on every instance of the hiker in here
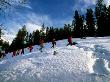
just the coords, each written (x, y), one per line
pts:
(30, 48)
(18, 52)
(2, 53)
(53, 43)
(69, 40)
(14, 53)
(41, 43)
(22, 52)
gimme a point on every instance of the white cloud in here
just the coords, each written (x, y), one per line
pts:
(107, 2)
(39, 19)
(82, 5)
(62, 22)
(31, 20)
(27, 6)
(8, 38)
(32, 27)
(89, 2)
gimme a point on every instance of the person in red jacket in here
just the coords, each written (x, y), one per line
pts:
(14, 53)
(30, 48)
(69, 40)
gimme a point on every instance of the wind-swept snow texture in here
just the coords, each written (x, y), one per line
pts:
(88, 61)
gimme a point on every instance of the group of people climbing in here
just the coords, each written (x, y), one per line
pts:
(21, 51)
(41, 45)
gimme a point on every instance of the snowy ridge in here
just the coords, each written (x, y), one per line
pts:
(86, 62)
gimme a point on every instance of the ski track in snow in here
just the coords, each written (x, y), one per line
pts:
(88, 61)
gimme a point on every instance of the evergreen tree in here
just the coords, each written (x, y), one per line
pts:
(67, 31)
(5, 46)
(61, 34)
(100, 17)
(36, 36)
(90, 23)
(51, 33)
(47, 34)
(21, 36)
(30, 39)
(43, 27)
(76, 24)
(19, 41)
(26, 39)
(0, 33)
(81, 26)
(108, 21)
(42, 32)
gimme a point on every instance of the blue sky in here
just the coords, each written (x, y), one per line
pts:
(50, 12)
(56, 9)
(59, 12)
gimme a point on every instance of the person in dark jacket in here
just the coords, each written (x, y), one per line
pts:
(41, 43)
(53, 43)
(22, 51)
(3, 53)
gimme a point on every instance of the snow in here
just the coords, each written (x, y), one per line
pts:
(88, 61)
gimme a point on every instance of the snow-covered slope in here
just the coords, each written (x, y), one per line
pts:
(88, 61)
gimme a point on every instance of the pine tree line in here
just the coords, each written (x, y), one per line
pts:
(94, 22)
(23, 38)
